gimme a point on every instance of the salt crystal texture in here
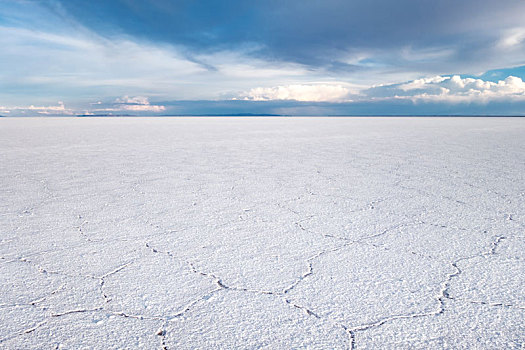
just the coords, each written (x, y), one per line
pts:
(276, 233)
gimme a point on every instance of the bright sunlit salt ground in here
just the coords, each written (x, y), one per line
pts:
(275, 233)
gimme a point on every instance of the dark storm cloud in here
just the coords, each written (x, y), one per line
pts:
(309, 32)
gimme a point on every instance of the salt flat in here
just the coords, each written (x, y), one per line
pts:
(275, 233)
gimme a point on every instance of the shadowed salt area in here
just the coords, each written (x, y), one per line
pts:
(275, 233)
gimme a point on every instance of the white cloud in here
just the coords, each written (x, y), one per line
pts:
(313, 93)
(143, 108)
(59, 109)
(137, 100)
(421, 83)
(78, 63)
(241, 65)
(136, 104)
(461, 90)
(512, 38)
(431, 54)
(86, 64)
(121, 105)
(444, 89)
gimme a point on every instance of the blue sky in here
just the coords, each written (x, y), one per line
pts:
(295, 57)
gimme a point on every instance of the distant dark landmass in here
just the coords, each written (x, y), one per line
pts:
(106, 115)
(186, 115)
(225, 115)
(302, 116)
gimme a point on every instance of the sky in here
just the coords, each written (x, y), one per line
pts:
(288, 57)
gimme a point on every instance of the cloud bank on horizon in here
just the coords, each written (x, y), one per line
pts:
(293, 57)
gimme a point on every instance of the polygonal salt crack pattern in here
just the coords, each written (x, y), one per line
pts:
(167, 287)
(262, 233)
(233, 319)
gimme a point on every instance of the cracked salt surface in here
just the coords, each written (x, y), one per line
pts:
(325, 233)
